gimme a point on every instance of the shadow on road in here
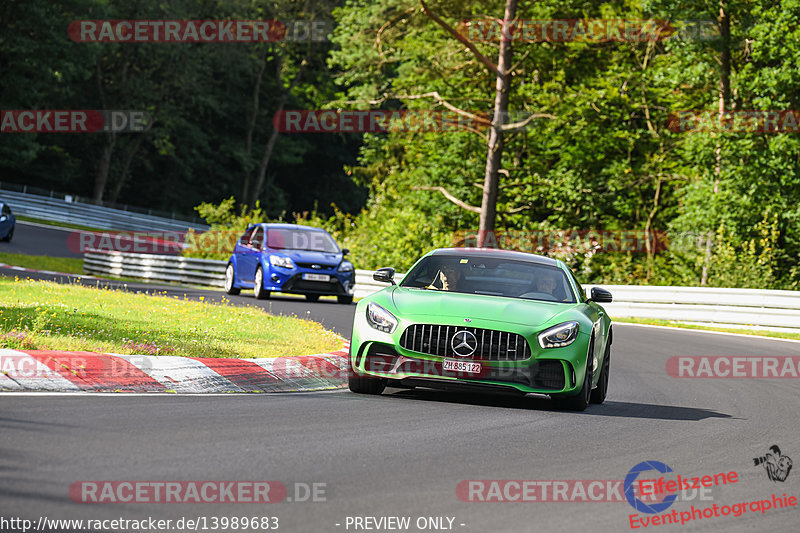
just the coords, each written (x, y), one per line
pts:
(541, 403)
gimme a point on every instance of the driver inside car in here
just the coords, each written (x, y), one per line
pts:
(546, 283)
(447, 279)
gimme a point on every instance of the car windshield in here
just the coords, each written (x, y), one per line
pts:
(300, 239)
(490, 276)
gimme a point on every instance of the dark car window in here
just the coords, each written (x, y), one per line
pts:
(494, 277)
(257, 240)
(300, 239)
(244, 240)
(6, 210)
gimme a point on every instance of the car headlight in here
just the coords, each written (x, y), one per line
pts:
(346, 266)
(558, 336)
(280, 261)
(380, 319)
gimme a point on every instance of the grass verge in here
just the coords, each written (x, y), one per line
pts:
(669, 323)
(40, 315)
(67, 265)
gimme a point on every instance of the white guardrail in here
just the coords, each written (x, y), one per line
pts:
(732, 307)
(67, 210)
(151, 267)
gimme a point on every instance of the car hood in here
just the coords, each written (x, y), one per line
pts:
(307, 256)
(413, 303)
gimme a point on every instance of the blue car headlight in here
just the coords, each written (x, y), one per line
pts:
(380, 319)
(558, 336)
(280, 261)
(346, 266)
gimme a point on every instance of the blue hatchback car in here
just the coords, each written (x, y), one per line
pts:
(290, 258)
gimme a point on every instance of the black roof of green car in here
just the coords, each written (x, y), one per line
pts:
(491, 253)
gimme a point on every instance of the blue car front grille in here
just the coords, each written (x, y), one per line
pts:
(317, 267)
(492, 345)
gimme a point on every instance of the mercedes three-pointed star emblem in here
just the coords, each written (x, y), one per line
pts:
(464, 343)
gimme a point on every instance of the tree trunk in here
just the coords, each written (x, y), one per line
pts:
(262, 168)
(651, 242)
(251, 126)
(101, 176)
(258, 187)
(494, 154)
(126, 167)
(724, 99)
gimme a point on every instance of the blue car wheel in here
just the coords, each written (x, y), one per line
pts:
(258, 286)
(230, 280)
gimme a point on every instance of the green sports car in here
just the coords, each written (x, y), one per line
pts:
(484, 320)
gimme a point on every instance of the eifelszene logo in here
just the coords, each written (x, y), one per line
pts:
(630, 488)
(777, 465)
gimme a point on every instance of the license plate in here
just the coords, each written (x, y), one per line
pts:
(462, 366)
(316, 277)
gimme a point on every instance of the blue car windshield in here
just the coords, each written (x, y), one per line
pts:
(492, 277)
(300, 239)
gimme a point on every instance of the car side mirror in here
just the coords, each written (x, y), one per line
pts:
(600, 295)
(385, 275)
(345, 251)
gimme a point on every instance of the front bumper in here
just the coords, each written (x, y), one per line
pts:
(339, 284)
(550, 371)
(547, 375)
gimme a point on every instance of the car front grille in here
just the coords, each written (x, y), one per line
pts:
(492, 345)
(317, 266)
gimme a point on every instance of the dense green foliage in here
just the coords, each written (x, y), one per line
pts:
(599, 157)
(606, 160)
(201, 99)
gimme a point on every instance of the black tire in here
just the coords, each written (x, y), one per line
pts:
(361, 384)
(580, 401)
(347, 300)
(258, 287)
(312, 297)
(229, 279)
(10, 235)
(599, 394)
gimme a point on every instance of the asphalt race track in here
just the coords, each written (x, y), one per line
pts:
(404, 453)
(38, 239)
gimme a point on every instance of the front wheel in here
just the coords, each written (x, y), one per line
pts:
(258, 287)
(364, 384)
(10, 235)
(345, 299)
(312, 297)
(229, 281)
(599, 394)
(580, 401)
